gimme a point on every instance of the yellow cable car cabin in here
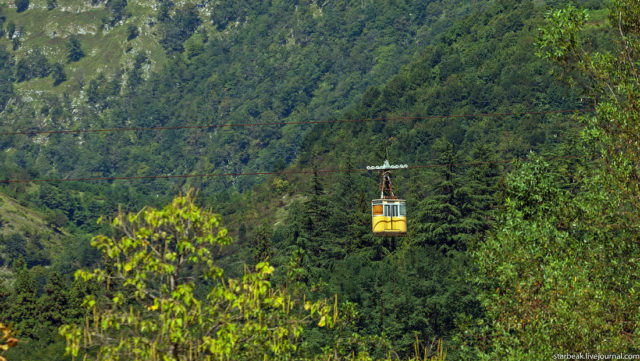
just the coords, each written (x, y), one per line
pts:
(389, 217)
(388, 213)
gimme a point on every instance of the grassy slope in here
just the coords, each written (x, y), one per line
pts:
(17, 219)
(106, 49)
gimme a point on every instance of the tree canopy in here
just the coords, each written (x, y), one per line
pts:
(559, 270)
(153, 306)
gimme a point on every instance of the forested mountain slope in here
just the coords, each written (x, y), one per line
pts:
(227, 62)
(26, 233)
(329, 60)
(139, 64)
(418, 284)
(185, 64)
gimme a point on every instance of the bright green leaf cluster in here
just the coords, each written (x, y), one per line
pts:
(150, 310)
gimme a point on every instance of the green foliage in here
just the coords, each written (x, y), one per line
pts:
(22, 5)
(22, 310)
(53, 304)
(38, 329)
(74, 50)
(272, 62)
(11, 29)
(152, 310)
(6, 74)
(558, 271)
(117, 10)
(194, 46)
(558, 41)
(34, 65)
(58, 74)
(56, 218)
(609, 79)
(132, 32)
(440, 218)
(284, 64)
(179, 27)
(553, 276)
(262, 244)
(26, 247)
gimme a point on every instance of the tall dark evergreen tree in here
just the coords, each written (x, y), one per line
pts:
(316, 229)
(352, 216)
(23, 310)
(11, 29)
(74, 49)
(132, 32)
(21, 5)
(5, 297)
(483, 181)
(58, 74)
(438, 219)
(262, 244)
(6, 73)
(54, 303)
(117, 9)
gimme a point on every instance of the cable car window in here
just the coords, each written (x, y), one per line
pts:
(377, 210)
(387, 212)
(394, 210)
(403, 210)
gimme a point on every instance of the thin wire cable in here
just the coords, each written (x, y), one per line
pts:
(495, 162)
(319, 171)
(206, 126)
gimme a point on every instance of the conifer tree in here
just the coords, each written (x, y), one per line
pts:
(262, 244)
(4, 302)
(439, 217)
(482, 182)
(21, 5)
(354, 219)
(315, 209)
(75, 299)
(316, 229)
(74, 49)
(58, 74)
(23, 311)
(54, 303)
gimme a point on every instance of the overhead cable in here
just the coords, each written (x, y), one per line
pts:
(260, 124)
(286, 172)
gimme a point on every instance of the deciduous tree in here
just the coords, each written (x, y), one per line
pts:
(155, 305)
(559, 271)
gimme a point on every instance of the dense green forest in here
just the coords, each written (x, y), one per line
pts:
(522, 220)
(280, 62)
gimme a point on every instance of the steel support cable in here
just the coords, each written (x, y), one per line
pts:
(231, 125)
(288, 172)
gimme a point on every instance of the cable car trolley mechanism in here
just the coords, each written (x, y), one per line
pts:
(388, 214)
